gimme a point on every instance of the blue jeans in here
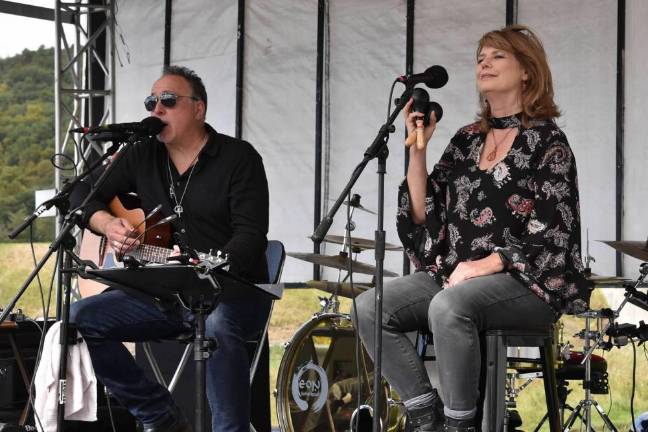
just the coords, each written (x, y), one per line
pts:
(108, 319)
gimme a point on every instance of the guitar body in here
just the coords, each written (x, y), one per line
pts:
(95, 249)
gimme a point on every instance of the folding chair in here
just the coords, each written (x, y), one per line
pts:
(275, 257)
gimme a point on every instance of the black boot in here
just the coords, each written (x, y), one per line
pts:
(426, 419)
(454, 425)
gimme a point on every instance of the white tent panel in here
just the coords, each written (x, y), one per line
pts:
(635, 225)
(279, 116)
(141, 24)
(580, 40)
(204, 39)
(635, 186)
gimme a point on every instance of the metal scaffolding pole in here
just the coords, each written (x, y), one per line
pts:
(84, 77)
(84, 86)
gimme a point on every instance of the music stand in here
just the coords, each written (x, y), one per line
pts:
(198, 288)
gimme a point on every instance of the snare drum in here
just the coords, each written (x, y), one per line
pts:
(318, 382)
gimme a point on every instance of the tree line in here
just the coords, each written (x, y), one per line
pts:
(26, 138)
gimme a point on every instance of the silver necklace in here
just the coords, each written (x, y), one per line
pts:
(178, 209)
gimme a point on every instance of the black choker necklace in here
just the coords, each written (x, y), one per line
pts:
(506, 122)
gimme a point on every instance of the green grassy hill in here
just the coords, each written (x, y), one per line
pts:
(298, 306)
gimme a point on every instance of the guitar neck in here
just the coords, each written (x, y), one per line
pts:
(150, 253)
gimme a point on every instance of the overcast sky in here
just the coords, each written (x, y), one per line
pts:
(18, 33)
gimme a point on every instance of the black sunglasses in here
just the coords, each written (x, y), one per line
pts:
(167, 99)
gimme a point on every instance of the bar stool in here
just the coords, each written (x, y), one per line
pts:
(493, 383)
(497, 342)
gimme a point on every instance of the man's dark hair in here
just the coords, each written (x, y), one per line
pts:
(197, 86)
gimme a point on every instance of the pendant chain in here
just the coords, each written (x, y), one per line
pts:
(178, 209)
(493, 153)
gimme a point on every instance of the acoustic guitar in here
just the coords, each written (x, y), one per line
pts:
(153, 247)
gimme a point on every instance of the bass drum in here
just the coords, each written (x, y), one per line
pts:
(318, 380)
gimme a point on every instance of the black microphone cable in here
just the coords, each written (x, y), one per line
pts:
(634, 379)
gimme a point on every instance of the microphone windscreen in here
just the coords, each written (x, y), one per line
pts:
(153, 125)
(438, 76)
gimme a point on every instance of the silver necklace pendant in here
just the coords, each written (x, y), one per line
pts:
(178, 209)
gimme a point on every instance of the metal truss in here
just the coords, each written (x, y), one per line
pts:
(84, 77)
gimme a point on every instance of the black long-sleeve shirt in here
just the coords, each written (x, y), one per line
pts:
(225, 203)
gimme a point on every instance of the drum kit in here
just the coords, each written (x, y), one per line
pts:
(325, 375)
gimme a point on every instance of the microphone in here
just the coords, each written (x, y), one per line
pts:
(147, 127)
(433, 77)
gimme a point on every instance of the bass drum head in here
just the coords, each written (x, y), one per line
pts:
(318, 380)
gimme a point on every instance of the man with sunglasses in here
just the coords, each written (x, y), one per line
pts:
(217, 187)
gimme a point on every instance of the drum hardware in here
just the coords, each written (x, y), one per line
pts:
(568, 368)
(342, 289)
(588, 258)
(586, 404)
(632, 296)
(354, 203)
(330, 304)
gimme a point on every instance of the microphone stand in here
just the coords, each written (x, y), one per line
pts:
(377, 149)
(67, 242)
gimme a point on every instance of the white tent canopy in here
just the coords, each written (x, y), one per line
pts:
(366, 51)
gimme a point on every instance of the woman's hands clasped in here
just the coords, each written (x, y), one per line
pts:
(471, 269)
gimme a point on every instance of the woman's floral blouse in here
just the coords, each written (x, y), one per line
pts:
(525, 207)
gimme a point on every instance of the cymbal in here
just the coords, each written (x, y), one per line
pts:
(342, 289)
(360, 243)
(636, 249)
(356, 204)
(338, 261)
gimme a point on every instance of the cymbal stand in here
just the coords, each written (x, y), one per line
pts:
(332, 304)
(586, 404)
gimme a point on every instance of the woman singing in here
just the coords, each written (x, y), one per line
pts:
(493, 231)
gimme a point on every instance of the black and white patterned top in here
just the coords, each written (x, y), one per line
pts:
(525, 207)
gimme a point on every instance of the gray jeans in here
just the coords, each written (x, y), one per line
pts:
(456, 316)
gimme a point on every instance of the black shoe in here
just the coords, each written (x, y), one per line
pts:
(454, 425)
(176, 423)
(426, 419)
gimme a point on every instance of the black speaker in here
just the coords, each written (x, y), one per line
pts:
(18, 346)
(19, 343)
